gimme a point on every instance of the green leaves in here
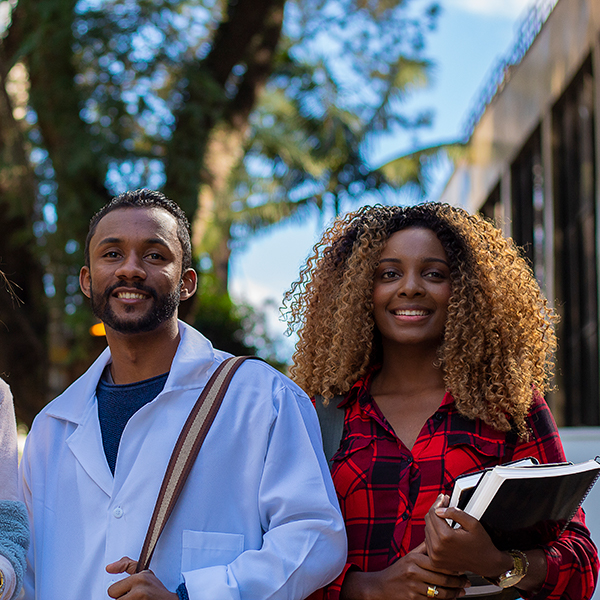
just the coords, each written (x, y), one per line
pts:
(246, 112)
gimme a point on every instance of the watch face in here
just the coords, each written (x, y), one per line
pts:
(510, 579)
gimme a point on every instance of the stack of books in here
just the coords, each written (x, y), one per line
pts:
(523, 505)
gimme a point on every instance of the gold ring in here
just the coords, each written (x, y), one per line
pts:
(432, 591)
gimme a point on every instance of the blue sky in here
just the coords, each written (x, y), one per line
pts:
(470, 38)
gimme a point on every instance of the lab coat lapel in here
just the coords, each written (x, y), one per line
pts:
(86, 445)
(78, 406)
(192, 366)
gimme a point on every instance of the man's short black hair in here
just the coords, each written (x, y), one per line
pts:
(145, 198)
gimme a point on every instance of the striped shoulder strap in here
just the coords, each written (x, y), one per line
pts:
(186, 450)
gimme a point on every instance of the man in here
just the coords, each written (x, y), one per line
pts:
(258, 517)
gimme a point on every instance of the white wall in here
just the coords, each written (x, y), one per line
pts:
(583, 443)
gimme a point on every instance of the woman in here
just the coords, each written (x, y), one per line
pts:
(433, 330)
(14, 526)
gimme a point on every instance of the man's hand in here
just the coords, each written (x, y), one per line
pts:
(139, 586)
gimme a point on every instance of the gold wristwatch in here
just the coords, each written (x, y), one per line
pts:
(514, 575)
(1, 582)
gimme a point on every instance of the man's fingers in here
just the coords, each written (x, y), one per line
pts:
(123, 565)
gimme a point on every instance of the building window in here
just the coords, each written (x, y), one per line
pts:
(492, 207)
(575, 250)
(527, 203)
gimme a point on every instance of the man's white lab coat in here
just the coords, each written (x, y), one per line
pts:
(258, 518)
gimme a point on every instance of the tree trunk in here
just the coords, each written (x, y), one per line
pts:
(247, 35)
(23, 359)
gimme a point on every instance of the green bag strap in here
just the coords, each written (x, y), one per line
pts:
(331, 420)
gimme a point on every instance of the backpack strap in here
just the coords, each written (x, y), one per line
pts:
(331, 420)
(186, 450)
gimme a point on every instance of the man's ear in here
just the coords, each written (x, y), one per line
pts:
(85, 281)
(189, 284)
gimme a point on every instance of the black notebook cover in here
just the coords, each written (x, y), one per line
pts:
(526, 513)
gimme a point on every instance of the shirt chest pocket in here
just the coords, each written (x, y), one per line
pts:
(469, 453)
(352, 464)
(209, 548)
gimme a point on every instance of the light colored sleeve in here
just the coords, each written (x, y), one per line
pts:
(304, 544)
(14, 529)
(25, 497)
(8, 445)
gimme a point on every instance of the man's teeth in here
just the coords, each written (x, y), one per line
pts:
(411, 313)
(130, 296)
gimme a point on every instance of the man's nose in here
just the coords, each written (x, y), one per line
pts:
(132, 267)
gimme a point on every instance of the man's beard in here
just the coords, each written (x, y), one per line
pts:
(162, 309)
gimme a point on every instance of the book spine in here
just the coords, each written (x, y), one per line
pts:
(597, 459)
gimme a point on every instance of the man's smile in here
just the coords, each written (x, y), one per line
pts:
(130, 296)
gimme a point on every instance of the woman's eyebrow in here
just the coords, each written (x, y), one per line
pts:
(425, 260)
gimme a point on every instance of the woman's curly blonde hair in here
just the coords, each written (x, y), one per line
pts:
(499, 339)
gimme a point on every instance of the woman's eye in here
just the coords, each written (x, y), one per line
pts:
(389, 275)
(434, 275)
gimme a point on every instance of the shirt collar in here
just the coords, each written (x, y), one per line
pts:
(361, 392)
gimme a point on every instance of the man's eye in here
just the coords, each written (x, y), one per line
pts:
(155, 256)
(111, 254)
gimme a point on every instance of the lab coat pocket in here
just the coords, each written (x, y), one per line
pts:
(209, 549)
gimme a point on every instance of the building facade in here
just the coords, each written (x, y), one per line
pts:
(533, 166)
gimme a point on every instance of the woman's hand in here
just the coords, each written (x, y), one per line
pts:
(468, 548)
(408, 578)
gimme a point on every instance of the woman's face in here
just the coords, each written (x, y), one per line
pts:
(412, 289)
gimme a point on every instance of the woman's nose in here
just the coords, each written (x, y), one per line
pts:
(411, 285)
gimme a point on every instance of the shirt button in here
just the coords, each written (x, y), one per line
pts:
(438, 416)
(118, 512)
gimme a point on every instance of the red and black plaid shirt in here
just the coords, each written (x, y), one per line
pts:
(385, 489)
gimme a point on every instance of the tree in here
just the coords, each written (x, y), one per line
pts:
(338, 78)
(243, 115)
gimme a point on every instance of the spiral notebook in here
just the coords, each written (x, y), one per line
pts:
(523, 506)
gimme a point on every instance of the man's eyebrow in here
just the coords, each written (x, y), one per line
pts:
(109, 240)
(149, 241)
(160, 241)
(427, 259)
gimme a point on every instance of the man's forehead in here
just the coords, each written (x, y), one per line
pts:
(133, 222)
